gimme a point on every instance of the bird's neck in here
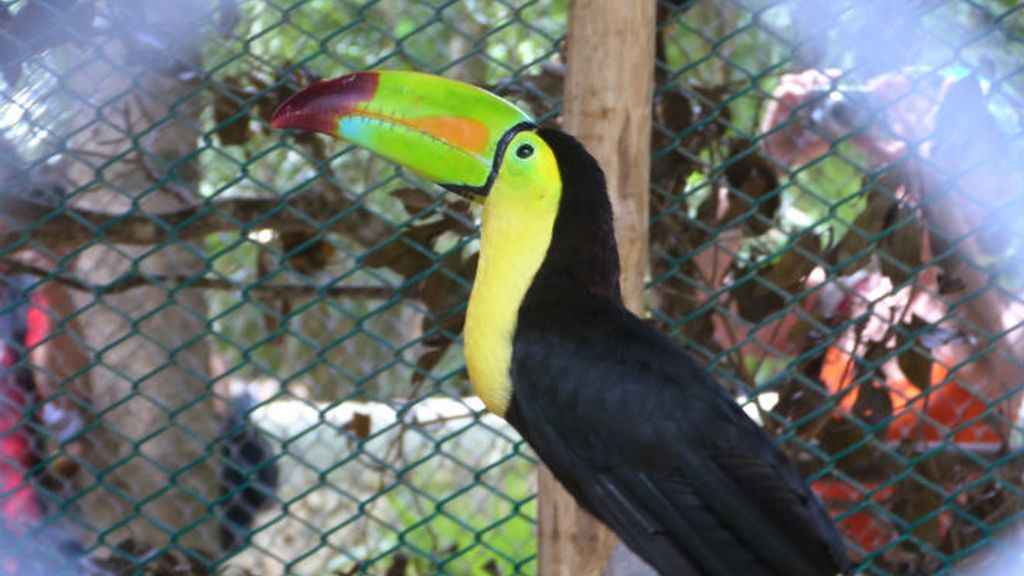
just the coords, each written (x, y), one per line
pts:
(582, 256)
(582, 259)
(514, 240)
(560, 246)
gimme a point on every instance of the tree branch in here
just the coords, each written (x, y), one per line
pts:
(53, 225)
(134, 280)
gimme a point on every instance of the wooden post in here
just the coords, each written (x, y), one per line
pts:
(608, 91)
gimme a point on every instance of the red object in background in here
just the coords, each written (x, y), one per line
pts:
(928, 416)
(922, 417)
(23, 326)
(38, 324)
(862, 527)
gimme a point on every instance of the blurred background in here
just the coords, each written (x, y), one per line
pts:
(230, 350)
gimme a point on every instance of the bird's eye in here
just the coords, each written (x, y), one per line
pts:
(524, 151)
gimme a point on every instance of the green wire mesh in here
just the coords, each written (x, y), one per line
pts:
(245, 346)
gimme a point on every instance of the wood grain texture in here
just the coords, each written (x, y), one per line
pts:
(608, 90)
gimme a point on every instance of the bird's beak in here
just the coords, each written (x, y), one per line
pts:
(448, 131)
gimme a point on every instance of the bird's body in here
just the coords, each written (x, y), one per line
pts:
(635, 428)
(647, 442)
(637, 431)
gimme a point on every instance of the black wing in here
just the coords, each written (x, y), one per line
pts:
(646, 440)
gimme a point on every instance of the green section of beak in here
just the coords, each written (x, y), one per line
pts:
(446, 130)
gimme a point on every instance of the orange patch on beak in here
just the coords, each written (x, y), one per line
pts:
(465, 133)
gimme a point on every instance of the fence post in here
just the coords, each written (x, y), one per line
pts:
(608, 89)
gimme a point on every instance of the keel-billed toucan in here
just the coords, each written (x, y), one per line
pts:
(638, 431)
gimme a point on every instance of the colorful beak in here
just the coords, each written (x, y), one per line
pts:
(448, 131)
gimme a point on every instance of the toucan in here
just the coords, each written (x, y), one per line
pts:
(633, 426)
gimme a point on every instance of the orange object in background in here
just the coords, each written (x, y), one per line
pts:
(925, 416)
(863, 527)
(948, 412)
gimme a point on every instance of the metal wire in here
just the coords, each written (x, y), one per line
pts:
(243, 345)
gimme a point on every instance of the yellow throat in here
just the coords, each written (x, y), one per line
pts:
(518, 221)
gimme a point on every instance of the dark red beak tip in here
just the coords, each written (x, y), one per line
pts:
(318, 106)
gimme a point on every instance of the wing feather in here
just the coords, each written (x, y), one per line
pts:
(645, 439)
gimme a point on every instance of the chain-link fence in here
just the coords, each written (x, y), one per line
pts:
(227, 349)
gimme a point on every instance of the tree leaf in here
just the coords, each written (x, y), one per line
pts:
(414, 200)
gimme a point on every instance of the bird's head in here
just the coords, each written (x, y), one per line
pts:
(481, 147)
(464, 138)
